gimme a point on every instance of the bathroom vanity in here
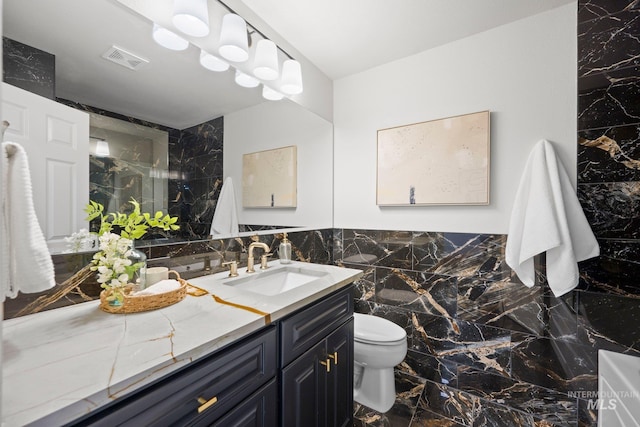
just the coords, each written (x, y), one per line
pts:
(198, 362)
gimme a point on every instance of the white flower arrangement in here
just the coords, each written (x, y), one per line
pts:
(81, 241)
(113, 265)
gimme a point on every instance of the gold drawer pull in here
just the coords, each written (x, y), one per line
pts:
(204, 403)
(326, 363)
(334, 356)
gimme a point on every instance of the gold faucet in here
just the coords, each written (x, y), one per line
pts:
(262, 245)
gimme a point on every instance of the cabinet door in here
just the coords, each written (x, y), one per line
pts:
(340, 378)
(258, 410)
(210, 387)
(307, 327)
(303, 390)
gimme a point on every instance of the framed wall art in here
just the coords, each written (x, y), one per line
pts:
(438, 162)
(269, 178)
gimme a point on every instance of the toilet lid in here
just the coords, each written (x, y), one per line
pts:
(376, 329)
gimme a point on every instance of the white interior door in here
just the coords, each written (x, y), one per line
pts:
(56, 139)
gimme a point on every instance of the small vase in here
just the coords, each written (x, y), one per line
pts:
(138, 278)
(115, 303)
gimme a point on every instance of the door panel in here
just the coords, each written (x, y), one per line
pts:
(56, 139)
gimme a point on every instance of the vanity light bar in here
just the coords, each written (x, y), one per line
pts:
(234, 47)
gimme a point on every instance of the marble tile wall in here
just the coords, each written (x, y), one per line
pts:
(483, 348)
(490, 350)
(609, 141)
(186, 257)
(195, 170)
(28, 68)
(193, 195)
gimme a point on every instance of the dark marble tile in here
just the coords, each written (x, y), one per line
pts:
(615, 271)
(375, 247)
(609, 99)
(205, 139)
(480, 346)
(423, 292)
(28, 68)
(449, 403)
(408, 391)
(430, 248)
(596, 328)
(425, 418)
(609, 41)
(338, 245)
(611, 208)
(365, 287)
(587, 413)
(174, 134)
(396, 315)
(558, 365)
(430, 367)
(482, 255)
(592, 9)
(516, 307)
(309, 246)
(65, 266)
(550, 405)
(495, 415)
(609, 155)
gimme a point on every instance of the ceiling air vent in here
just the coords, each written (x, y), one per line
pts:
(126, 59)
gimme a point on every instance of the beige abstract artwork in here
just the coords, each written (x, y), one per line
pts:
(269, 178)
(439, 162)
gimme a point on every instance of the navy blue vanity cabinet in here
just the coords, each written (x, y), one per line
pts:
(259, 410)
(340, 379)
(316, 347)
(204, 391)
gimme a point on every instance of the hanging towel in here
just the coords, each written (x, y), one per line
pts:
(547, 217)
(29, 265)
(225, 218)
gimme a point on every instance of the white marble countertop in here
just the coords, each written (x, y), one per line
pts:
(60, 364)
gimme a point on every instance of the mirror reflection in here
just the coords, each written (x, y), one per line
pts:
(125, 162)
(173, 130)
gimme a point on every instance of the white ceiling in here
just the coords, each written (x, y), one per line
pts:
(346, 37)
(339, 37)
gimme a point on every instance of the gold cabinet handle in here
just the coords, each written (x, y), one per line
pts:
(326, 363)
(204, 403)
(334, 356)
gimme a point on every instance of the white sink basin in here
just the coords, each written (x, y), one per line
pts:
(275, 281)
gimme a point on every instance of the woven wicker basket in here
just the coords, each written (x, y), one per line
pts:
(135, 304)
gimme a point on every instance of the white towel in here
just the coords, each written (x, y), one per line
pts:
(29, 265)
(547, 216)
(160, 287)
(225, 218)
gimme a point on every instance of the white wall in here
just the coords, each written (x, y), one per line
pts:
(280, 124)
(523, 72)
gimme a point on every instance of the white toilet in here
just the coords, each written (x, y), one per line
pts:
(379, 345)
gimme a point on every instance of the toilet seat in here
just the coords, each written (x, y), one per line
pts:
(376, 330)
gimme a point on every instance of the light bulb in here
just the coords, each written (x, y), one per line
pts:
(245, 80)
(168, 39)
(270, 94)
(234, 43)
(211, 62)
(291, 81)
(265, 63)
(191, 17)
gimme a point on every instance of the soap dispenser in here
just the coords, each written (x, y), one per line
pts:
(285, 250)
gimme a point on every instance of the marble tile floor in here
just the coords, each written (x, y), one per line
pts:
(423, 403)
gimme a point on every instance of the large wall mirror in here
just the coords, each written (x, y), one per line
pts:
(174, 130)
